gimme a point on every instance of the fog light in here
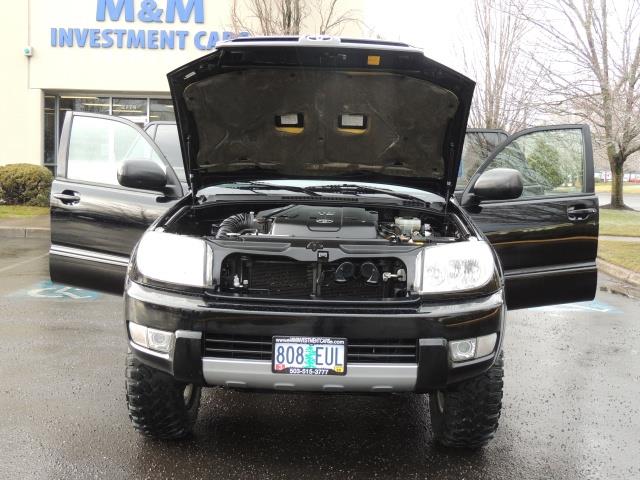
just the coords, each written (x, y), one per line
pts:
(461, 350)
(470, 348)
(158, 340)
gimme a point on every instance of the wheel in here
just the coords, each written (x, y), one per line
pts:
(159, 406)
(466, 415)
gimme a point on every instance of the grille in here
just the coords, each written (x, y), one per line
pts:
(358, 350)
(382, 351)
(240, 347)
(282, 277)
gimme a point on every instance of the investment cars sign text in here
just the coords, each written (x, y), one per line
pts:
(150, 12)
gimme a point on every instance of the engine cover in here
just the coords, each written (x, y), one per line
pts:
(323, 222)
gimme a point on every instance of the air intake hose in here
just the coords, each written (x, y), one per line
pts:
(237, 223)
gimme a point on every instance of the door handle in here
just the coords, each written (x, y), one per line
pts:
(67, 197)
(577, 214)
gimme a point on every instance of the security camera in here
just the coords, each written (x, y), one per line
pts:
(28, 51)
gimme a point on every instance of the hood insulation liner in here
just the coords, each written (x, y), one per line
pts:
(238, 117)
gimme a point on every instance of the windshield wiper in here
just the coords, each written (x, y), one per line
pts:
(353, 189)
(269, 186)
(346, 188)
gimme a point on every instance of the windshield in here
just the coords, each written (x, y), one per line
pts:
(169, 143)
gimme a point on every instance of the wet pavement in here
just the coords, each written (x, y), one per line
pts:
(571, 406)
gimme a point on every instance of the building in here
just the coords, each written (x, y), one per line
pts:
(103, 56)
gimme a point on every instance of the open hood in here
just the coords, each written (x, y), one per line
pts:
(321, 108)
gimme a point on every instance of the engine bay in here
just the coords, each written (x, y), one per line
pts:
(309, 251)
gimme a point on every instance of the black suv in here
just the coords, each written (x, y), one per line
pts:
(320, 244)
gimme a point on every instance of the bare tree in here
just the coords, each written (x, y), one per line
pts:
(288, 17)
(593, 71)
(504, 96)
(332, 20)
(268, 17)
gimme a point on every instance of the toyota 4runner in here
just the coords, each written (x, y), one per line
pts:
(320, 243)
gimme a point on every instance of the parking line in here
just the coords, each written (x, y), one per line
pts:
(4, 269)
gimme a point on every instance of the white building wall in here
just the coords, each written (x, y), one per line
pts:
(85, 69)
(20, 104)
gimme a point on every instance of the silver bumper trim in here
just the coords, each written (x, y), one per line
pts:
(89, 255)
(360, 377)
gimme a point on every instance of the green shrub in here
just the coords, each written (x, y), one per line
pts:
(25, 184)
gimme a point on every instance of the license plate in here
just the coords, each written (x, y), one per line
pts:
(309, 355)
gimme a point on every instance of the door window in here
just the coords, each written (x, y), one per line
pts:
(97, 146)
(477, 147)
(552, 162)
(56, 107)
(82, 103)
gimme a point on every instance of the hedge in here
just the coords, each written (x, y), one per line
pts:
(25, 184)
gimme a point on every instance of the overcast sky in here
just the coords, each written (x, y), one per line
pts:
(437, 26)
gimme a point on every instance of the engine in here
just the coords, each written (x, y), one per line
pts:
(324, 222)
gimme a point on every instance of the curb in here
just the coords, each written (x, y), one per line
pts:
(621, 273)
(24, 232)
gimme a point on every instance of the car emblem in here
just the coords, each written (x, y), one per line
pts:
(326, 213)
(324, 220)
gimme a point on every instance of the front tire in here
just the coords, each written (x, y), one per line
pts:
(466, 415)
(159, 406)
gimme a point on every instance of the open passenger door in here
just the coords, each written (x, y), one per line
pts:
(547, 239)
(95, 219)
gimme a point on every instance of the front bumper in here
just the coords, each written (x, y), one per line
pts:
(363, 377)
(433, 325)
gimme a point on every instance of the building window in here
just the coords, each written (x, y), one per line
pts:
(50, 138)
(139, 110)
(81, 103)
(134, 109)
(161, 110)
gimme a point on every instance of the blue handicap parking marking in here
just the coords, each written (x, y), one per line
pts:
(50, 290)
(592, 306)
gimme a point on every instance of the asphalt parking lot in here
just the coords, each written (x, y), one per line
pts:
(571, 406)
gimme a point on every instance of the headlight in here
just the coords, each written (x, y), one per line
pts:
(455, 267)
(171, 258)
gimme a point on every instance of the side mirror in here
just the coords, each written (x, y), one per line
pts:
(142, 173)
(498, 184)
